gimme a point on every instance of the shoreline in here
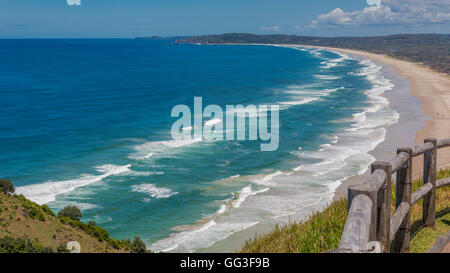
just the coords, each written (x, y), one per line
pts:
(429, 90)
(418, 96)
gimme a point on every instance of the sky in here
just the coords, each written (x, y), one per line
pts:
(133, 18)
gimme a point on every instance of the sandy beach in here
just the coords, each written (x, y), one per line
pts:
(432, 89)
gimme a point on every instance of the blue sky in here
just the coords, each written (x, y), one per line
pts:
(131, 18)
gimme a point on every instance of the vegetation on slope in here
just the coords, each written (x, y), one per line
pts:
(26, 227)
(425, 238)
(323, 230)
(432, 50)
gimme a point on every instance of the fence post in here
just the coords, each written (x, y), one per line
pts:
(384, 206)
(403, 194)
(429, 176)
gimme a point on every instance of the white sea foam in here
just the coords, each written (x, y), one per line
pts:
(309, 186)
(335, 139)
(205, 236)
(153, 148)
(83, 206)
(349, 153)
(244, 194)
(378, 112)
(265, 180)
(305, 95)
(298, 90)
(47, 192)
(222, 209)
(135, 173)
(153, 191)
(288, 104)
(335, 62)
(141, 157)
(327, 77)
(316, 52)
(330, 63)
(215, 227)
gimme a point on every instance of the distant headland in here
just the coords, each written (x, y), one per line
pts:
(429, 49)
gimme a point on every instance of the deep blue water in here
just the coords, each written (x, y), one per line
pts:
(87, 122)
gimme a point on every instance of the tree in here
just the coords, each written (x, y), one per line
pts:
(138, 246)
(6, 186)
(71, 212)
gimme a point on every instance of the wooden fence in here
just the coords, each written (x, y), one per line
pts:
(370, 226)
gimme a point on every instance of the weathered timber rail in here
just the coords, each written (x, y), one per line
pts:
(370, 226)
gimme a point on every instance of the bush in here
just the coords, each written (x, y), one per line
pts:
(126, 243)
(6, 186)
(98, 232)
(138, 246)
(21, 245)
(47, 210)
(71, 212)
(62, 249)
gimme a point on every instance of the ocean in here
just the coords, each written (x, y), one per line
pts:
(87, 123)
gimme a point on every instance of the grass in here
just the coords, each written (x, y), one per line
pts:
(323, 230)
(319, 233)
(426, 237)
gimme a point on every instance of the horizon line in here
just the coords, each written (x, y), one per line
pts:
(185, 36)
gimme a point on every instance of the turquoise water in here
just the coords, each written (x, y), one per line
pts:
(87, 122)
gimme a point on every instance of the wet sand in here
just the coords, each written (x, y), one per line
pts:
(424, 109)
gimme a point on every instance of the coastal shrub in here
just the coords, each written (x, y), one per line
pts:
(101, 234)
(33, 210)
(71, 212)
(126, 243)
(138, 246)
(47, 210)
(62, 249)
(117, 244)
(98, 232)
(21, 245)
(6, 186)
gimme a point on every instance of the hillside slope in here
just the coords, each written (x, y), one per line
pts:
(23, 219)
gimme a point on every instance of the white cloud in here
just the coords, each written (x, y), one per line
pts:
(271, 29)
(389, 12)
(74, 2)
